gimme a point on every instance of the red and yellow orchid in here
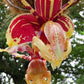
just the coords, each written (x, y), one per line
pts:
(49, 31)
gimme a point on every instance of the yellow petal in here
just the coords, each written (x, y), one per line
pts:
(68, 49)
(56, 36)
(46, 52)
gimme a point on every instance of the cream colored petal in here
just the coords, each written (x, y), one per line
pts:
(46, 52)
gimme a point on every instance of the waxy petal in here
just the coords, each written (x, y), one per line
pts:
(21, 29)
(22, 47)
(66, 24)
(47, 8)
(46, 52)
(56, 36)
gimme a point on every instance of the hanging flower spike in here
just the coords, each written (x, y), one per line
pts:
(49, 31)
(47, 53)
(23, 27)
(56, 36)
(37, 74)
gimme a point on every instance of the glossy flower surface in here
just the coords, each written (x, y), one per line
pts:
(48, 29)
(23, 27)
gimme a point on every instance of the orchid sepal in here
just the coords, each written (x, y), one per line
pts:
(22, 47)
(46, 23)
(21, 29)
(47, 8)
(56, 36)
(28, 6)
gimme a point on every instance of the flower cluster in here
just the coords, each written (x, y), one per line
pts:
(49, 31)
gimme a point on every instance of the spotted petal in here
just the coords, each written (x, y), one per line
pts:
(66, 24)
(22, 47)
(21, 29)
(47, 8)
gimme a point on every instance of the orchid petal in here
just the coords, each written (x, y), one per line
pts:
(37, 73)
(46, 52)
(56, 36)
(21, 29)
(22, 47)
(66, 24)
(47, 8)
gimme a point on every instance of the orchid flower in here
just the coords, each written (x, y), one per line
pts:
(48, 29)
(37, 74)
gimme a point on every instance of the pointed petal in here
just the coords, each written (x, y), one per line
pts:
(22, 47)
(46, 52)
(66, 24)
(47, 8)
(56, 36)
(21, 29)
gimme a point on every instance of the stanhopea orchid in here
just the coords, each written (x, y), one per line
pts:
(49, 31)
